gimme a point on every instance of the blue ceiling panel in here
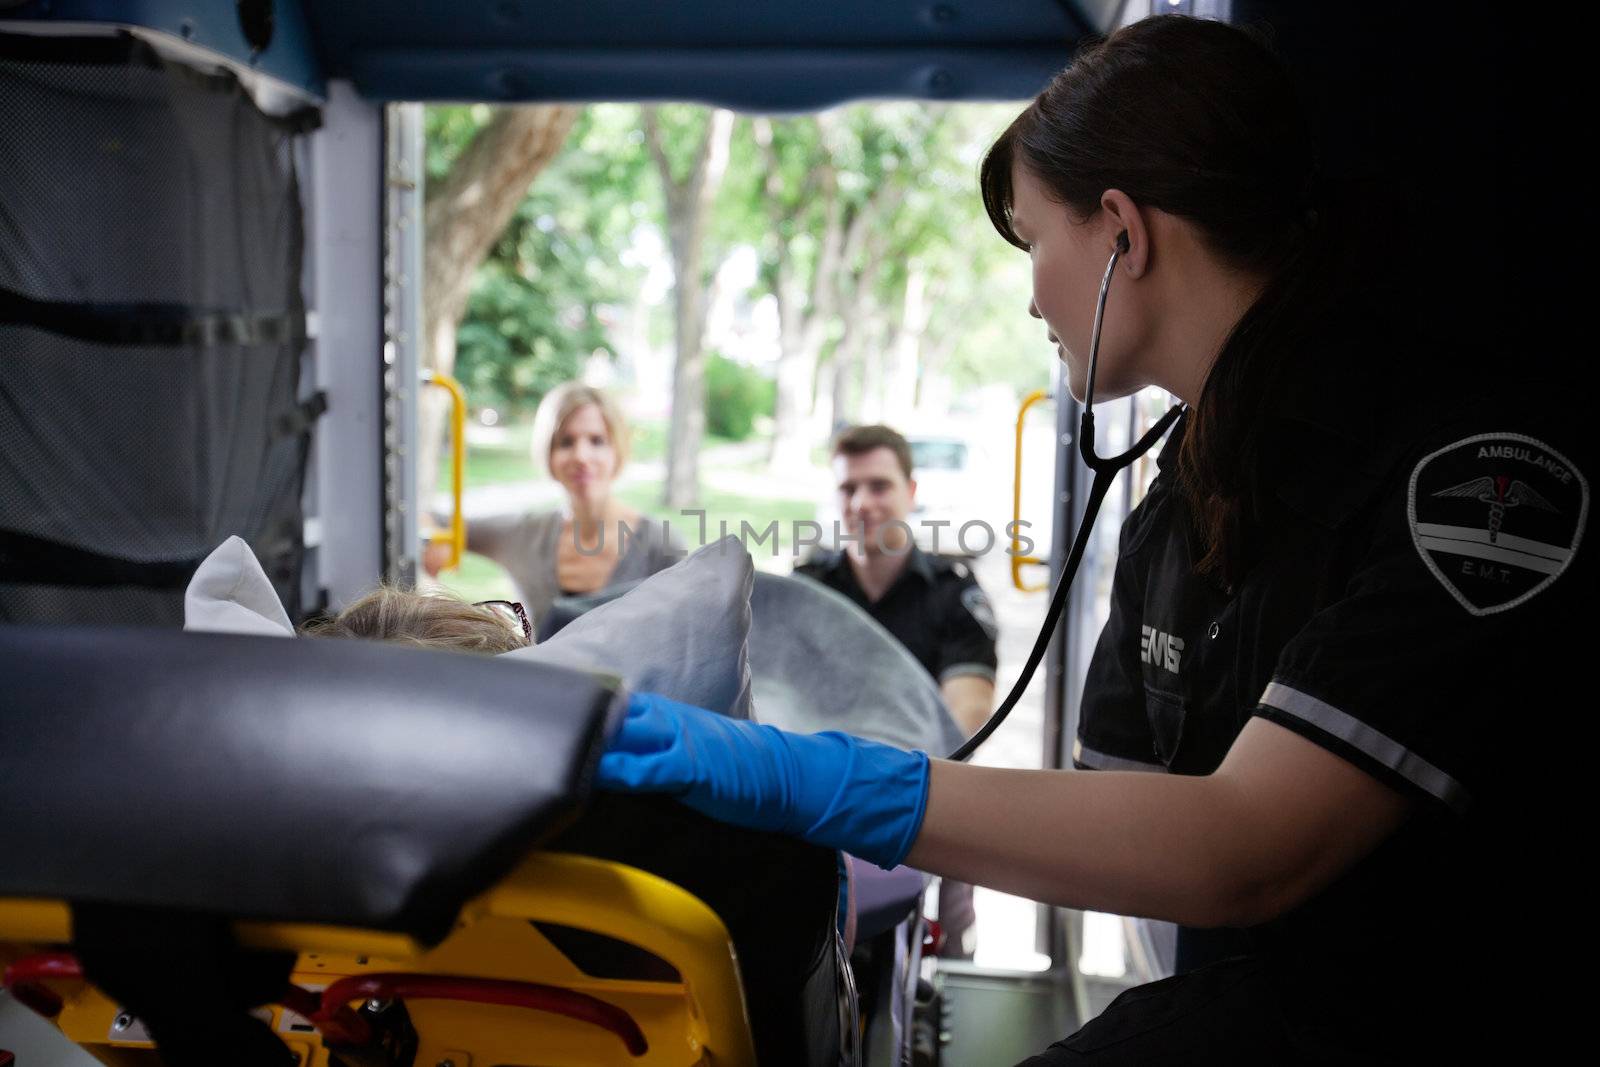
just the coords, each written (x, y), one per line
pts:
(779, 80)
(748, 54)
(738, 53)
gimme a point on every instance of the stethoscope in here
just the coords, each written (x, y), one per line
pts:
(1105, 472)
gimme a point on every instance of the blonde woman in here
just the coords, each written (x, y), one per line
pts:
(594, 541)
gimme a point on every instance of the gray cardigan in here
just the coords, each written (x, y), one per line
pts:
(525, 545)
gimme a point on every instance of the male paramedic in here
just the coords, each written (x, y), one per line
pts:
(931, 604)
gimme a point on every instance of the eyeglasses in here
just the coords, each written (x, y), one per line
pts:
(510, 612)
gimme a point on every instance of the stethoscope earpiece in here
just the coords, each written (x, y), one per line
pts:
(1122, 242)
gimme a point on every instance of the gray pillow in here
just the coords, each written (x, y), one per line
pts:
(821, 663)
(681, 633)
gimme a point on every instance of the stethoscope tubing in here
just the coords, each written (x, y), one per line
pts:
(1105, 471)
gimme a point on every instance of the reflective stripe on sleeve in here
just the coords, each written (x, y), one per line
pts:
(1088, 757)
(1364, 739)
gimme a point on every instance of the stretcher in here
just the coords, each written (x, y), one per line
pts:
(244, 849)
(366, 854)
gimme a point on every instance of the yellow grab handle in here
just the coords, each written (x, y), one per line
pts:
(1018, 561)
(456, 536)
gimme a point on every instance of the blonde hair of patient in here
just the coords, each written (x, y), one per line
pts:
(561, 402)
(423, 619)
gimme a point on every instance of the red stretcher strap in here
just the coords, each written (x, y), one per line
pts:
(551, 999)
(22, 979)
(332, 1016)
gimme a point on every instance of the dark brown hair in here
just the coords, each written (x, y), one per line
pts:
(859, 440)
(429, 620)
(1200, 120)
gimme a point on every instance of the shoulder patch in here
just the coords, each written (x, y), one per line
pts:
(1497, 517)
(977, 606)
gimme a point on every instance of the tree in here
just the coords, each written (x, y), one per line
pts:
(688, 200)
(919, 285)
(823, 209)
(465, 211)
(803, 215)
(556, 289)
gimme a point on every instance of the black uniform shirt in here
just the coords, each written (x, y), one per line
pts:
(935, 608)
(1406, 613)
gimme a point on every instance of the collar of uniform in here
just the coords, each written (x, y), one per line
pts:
(918, 562)
(825, 559)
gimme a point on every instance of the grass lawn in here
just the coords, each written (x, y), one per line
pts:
(479, 579)
(511, 461)
(727, 508)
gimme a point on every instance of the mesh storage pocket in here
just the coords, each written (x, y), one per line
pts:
(151, 329)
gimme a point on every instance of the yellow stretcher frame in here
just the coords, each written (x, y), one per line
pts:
(701, 1019)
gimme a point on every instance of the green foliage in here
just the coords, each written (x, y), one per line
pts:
(914, 166)
(545, 299)
(447, 131)
(649, 440)
(682, 127)
(735, 395)
(563, 277)
(513, 347)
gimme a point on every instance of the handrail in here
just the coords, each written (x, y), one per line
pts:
(456, 536)
(1018, 560)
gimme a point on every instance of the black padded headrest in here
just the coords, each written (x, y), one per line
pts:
(339, 782)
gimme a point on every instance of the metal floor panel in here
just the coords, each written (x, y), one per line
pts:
(996, 1020)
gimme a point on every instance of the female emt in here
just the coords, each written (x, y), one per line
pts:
(1327, 622)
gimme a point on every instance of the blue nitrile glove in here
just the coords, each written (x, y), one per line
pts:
(830, 788)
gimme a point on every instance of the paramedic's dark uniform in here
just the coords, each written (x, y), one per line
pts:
(1405, 612)
(937, 610)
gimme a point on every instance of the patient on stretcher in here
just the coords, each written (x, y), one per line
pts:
(427, 620)
(710, 632)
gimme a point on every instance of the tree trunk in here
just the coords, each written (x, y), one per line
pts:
(822, 397)
(464, 216)
(900, 394)
(845, 370)
(856, 284)
(688, 203)
(873, 354)
(805, 306)
(791, 430)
